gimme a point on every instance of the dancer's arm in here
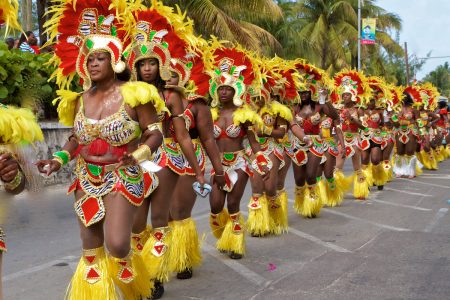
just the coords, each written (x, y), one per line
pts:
(205, 129)
(182, 135)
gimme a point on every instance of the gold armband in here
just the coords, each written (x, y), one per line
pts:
(283, 126)
(267, 130)
(155, 126)
(142, 153)
(14, 184)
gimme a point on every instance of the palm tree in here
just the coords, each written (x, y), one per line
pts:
(320, 29)
(234, 20)
(325, 32)
(372, 55)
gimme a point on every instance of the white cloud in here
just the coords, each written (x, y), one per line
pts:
(425, 28)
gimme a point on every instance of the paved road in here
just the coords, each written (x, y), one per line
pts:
(396, 245)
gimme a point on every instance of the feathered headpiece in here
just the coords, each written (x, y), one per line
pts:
(414, 92)
(198, 84)
(157, 33)
(265, 80)
(80, 28)
(232, 67)
(314, 79)
(395, 101)
(353, 82)
(430, 96)
(9, 11)
(18, 125)
(380, 91)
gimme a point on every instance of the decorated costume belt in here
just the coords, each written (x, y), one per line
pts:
(270, 146)
(98, 180)
(231, 162)
(177, 162)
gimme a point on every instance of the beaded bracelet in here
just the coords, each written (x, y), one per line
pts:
(14, 184)
(63, 157)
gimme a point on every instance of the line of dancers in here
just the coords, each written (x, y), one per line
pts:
(157, 101)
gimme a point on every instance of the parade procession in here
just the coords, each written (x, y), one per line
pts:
(162, 118)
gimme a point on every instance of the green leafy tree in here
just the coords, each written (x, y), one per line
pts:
(440, 78)
(234, 20)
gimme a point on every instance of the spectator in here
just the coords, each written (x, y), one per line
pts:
(23, 44)
(33, 44)
(10, 42)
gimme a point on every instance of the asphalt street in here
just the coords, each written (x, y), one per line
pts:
(395, 245)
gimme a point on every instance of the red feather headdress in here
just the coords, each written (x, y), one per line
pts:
(353, 82)
(80, 28)
(414, 92)
(314, 79)
(380, 91)
(232, 67)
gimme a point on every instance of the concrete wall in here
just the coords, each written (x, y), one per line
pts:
(55, 136)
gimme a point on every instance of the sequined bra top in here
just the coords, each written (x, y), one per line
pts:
(232, 131)
(374, 120)
(117, 129)
(311, 125)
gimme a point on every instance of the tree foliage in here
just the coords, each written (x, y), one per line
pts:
(440, 78)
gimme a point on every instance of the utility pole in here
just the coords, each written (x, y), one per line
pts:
(359, 35)
(407, 63)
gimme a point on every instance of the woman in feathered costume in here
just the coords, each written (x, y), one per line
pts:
(233, 122)
(352, 90)
(18, 128)
(425, 152)
(114, 135)
(443, 128)
(316, 115)
(189, 76)
(267, 213)
(388, 145)
(372, 137)
(406, 135)
(157, 36)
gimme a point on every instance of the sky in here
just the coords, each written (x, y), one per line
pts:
(425, 25)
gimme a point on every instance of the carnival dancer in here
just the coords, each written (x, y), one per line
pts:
(115, 132)
(334, 186)
(285, 91)
(157, 33)
(185, 252)
(312, 114)
(352, 89)
(18, 128)
(443, 136)
(406, 135)
(426, 126)
(233, 121)
(388, 145)
(266, 212)
(372, 137)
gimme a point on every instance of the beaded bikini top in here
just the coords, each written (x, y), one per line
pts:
(117, 129)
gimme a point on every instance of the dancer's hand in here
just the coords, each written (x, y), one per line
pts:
(127, 159)
(8, 167)
(201, 179)
(219, 180)
(48, 166)
(266, 174)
